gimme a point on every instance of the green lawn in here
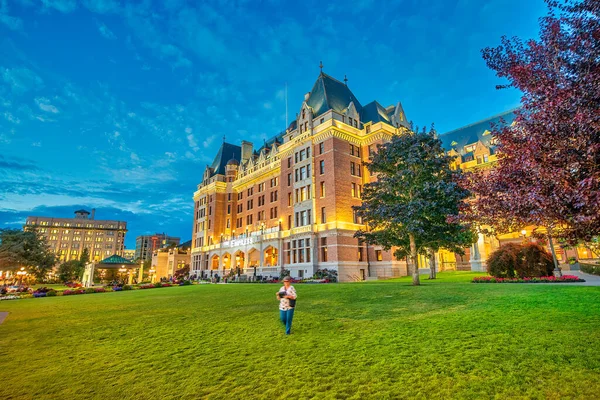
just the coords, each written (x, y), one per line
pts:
(383, 340)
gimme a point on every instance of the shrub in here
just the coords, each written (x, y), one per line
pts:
(51, 293)
(158, 284)
(186, 283)
(147, 286)
(127, 287)
(590, 268)
(117, 288)
(534, 261)
(330, 275)
(90, 290)
(100, 290)
(512, 260)
(502, 263)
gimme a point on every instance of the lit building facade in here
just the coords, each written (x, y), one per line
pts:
(288, 204)
(146, 244)
(67, 237)
(129, 254)
(474, 147)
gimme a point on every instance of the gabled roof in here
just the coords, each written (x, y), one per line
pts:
(115, 259)
(227, 151)
(470, 134)
(375, 112)
(330, 94)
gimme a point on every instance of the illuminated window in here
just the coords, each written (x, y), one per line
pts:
(322, 189)
(324, 249)
(378, 255)
(323, 215)
(321, 147)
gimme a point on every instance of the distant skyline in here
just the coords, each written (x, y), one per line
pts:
(120, 106)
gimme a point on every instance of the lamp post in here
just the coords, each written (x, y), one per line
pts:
(151, 271)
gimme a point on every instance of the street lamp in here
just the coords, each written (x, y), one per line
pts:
(151, 271)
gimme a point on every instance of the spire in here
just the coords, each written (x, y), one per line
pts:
(345, 80)
(223, 138)
(321, 66)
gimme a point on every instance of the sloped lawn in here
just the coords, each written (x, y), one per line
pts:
(386, 339)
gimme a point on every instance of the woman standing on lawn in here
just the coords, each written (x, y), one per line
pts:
(287, 302)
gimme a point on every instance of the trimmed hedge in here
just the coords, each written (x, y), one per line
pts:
(590, 268)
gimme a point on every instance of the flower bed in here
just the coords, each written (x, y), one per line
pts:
(10, 297)
(542, 279)
(70, 292)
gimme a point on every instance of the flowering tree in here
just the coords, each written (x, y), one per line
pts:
(548, 170)
(411, 204)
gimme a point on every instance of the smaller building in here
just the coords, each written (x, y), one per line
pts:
(145, 245)
(167, 261)
(129, 254)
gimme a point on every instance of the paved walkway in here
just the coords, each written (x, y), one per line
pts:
(3, 316)
(590, 280)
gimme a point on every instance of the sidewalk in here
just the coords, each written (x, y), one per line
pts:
(590, 280)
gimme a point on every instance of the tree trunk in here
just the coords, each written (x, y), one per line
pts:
(432, 269)
(551, 244)
(414, 257)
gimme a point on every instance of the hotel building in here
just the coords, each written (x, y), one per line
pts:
(474, 147)
(288, 204)
(68, 237)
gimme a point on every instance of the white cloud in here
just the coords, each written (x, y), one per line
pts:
(105, 31)
(135, 158)
(11, 118)
(21, 80)
(208, 141)
(192, 142)
(101, 6)
(36, 144)
(64, 6)
(267, 105)
(12, 23)
(44, 105)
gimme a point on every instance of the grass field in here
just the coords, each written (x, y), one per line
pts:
(383, 340)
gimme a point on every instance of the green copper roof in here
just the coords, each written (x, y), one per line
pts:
(470, 134)
(330, 94)
(115, 259)
(375, 112)
(226, 152)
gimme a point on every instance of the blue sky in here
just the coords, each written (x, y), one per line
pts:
(120, 106)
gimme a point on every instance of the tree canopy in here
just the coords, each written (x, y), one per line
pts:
(412, 205)
(548, 169)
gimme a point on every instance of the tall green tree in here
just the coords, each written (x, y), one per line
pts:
(85, 256)
(26, 249)
(414, 203)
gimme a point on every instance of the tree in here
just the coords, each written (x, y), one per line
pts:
(548, 170)
(26, 249)
(412, 203)
(85, 256)
(70, 271)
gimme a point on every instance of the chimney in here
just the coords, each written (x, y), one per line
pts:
(93, 213)
(247, 149)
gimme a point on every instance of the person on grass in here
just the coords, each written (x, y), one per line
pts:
(287, 302)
